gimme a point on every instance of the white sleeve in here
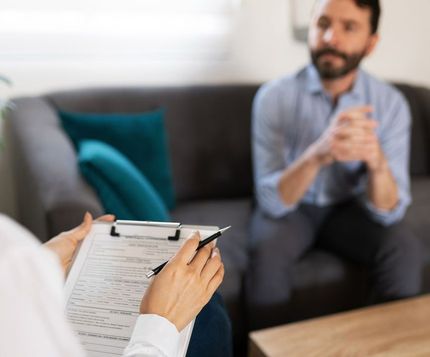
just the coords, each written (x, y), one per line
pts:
(32, 319)
(153, 336)
(31, 306)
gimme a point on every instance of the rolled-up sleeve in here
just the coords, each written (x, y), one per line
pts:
(153, 336)
(395, 142)
(269, 151)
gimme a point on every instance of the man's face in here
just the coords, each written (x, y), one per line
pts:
(339, 37)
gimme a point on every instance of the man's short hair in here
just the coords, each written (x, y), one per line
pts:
(375, 9)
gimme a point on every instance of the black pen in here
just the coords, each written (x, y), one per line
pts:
(202, 243)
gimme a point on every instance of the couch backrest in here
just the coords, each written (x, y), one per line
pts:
(208, 131)
(419, 103)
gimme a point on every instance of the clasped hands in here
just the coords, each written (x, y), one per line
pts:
(179, 291)
(351, 137)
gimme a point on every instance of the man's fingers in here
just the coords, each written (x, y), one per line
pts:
(349, 151)
(352, 132)
(359, 110)
(355, 114)
(363, 108)
(350, 147)
(352, 142)
(188, 249)
(358, 122)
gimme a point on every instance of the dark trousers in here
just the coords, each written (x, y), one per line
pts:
(212, 335)
(391, 253)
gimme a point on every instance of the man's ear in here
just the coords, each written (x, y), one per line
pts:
(373, 41)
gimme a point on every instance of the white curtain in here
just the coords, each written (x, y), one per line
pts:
(115, 29)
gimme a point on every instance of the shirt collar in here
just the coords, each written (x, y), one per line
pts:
(314, 84)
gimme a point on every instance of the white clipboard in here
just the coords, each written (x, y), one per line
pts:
(106, 282)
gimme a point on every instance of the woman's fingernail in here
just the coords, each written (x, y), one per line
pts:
(215, 252)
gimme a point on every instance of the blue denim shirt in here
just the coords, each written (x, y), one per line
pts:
(291, 113)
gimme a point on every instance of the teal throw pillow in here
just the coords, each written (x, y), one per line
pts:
(121, 187)
(140, 137)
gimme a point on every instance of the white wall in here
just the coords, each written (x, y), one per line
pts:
(404, 50)
(265, 48)
(261, 48)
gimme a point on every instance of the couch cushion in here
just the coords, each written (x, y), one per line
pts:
(233, 245)
(418, 214)
(121, 187)
(140, 137)
(418, 218)
(324, 283)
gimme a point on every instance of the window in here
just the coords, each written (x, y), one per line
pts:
(301, 11)
(108, 30)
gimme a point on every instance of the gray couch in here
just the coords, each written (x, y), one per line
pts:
(209, 139)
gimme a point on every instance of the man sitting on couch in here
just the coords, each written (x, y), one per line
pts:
(331, 146)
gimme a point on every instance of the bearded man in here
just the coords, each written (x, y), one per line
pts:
(331, 152)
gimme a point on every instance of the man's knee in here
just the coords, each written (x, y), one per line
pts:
(276, 244)
(267, 276)
(279, 244)
(399, 263)
(401, 245)
(289, 236)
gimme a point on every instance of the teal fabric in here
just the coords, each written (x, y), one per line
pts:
(121, 187)
(140, 137)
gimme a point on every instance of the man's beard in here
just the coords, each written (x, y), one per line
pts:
(327, 71)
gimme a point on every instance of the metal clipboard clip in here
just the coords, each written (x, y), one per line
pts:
(175, 225)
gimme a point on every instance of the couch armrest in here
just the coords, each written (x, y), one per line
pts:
(51, 194)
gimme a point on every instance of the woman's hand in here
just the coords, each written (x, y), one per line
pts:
(185, 284)
(64, 245)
